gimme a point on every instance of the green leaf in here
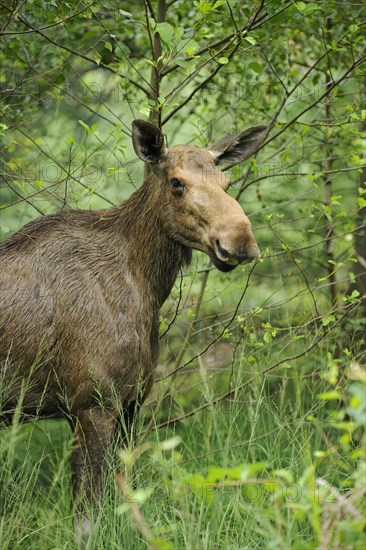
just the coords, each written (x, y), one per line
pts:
(301, 6)
(191, 47)
(161, 544)
(223, 60)
(151, 62)
(204, 6)
(141, 495)
(320, 454)
(166, 32)
(355, 294)
(152, 23)
(256, 67)
(108, 46)
(161, 100)
(199, 485)
(126, 13)
(179, 31)
(329, 395)
(218, 3)
(327, 319)
(97, 57)
(86, 127)
(145, 110)
(122, 508)
(250, 470)
(250, 39)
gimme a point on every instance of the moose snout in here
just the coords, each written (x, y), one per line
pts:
(243, 254)
(235, 244)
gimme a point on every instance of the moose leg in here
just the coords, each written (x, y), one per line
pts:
(93, 434)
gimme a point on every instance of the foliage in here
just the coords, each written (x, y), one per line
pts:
(261, 372)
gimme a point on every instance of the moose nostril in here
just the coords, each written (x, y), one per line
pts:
(221, 251)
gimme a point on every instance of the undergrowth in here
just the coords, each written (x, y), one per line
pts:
(279, 464)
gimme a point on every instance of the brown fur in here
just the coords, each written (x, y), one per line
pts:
(81, 293)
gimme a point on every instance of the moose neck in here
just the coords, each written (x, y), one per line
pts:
(150, 253)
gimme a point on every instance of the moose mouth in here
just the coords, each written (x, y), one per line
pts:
(224, 261)
(219, 264)
(221, 259)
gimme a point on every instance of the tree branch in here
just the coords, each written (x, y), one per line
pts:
(89, 59)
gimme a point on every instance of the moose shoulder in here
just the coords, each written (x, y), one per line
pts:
(81, 292)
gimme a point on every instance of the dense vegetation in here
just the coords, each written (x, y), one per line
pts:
(254, 434)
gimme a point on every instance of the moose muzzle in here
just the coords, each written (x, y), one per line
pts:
(232, 243)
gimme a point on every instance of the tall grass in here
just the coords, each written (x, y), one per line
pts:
(279, 465)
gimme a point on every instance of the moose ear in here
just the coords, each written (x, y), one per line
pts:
(233, 149)
(148, 141)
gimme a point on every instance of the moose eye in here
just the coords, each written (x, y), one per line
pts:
(176, 184)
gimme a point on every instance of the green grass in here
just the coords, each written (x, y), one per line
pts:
(279, 433)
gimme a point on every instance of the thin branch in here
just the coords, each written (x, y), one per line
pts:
(23, 199)
(227, 38)
(89, 59)
(357, 63)
(62, 167)
(8, 33)
(264, 372)
(226, 326)
(176, 309)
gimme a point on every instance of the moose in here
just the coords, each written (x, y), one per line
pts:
(81, 292)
